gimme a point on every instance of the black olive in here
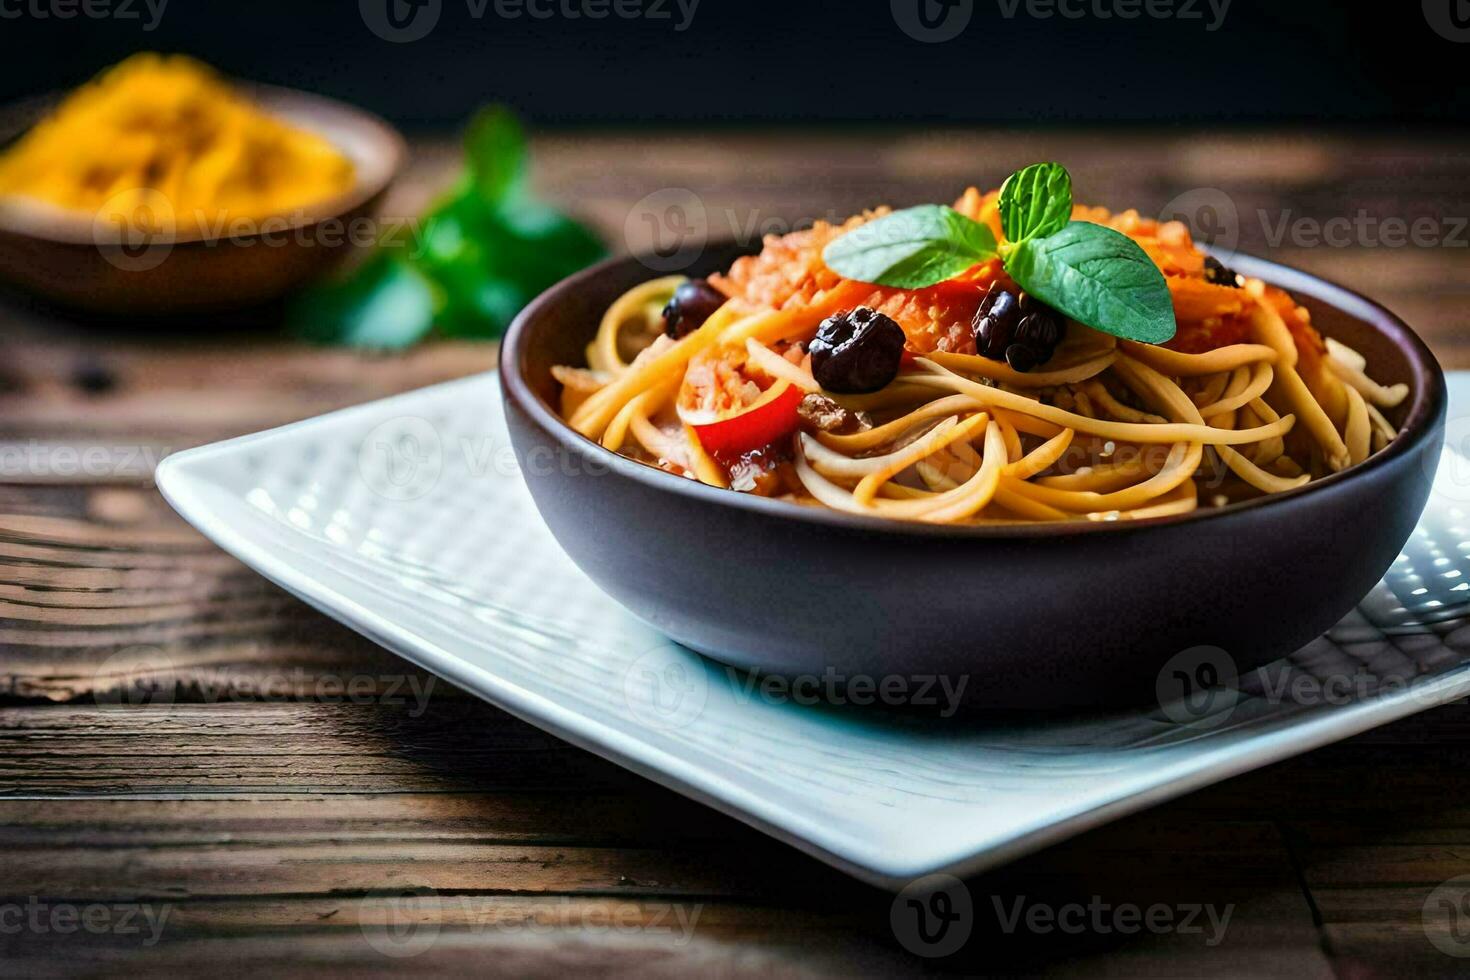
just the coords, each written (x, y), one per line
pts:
(857, 351)
(1038, 330)
(691, 305)
(994, 321)
(1022, 357)
(1021, 330)
(1219, 274)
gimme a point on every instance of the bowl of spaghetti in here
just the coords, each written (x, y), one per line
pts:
(794, 470)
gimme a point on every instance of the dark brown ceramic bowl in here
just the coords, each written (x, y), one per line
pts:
(1035, 616)
(72, 259)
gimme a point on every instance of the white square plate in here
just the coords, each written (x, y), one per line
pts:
(407, 520)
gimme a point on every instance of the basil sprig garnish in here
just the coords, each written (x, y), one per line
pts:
(1092, 274)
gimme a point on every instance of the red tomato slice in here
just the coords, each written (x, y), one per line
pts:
(769, 417)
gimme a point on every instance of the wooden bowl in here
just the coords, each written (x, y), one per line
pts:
(1033, 616)
(70, 258)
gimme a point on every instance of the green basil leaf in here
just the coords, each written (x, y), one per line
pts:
(1099, 277)
(495, 153)
(554, 243)
(385, 303)
(487, 262)
(912, 248)
(1035, 201)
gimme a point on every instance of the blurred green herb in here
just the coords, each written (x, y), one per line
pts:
(483, 251)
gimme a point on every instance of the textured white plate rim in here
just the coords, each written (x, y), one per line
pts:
(1264, 746)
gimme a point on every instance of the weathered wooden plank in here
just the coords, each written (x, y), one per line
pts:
(176, 394)
(459, 874)
(1388, 950)
(641, 816)
(1384, 864)
(519, 936)
(467, 953)
(361, 743)
(141, 874)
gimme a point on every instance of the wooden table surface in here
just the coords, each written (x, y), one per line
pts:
(198, 771)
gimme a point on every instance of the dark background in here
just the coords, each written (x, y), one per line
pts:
(796, 62)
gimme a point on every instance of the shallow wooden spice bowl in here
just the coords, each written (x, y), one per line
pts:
(70, 258)
(1036, 616)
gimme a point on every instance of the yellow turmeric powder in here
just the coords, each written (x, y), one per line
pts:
(163, 143)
